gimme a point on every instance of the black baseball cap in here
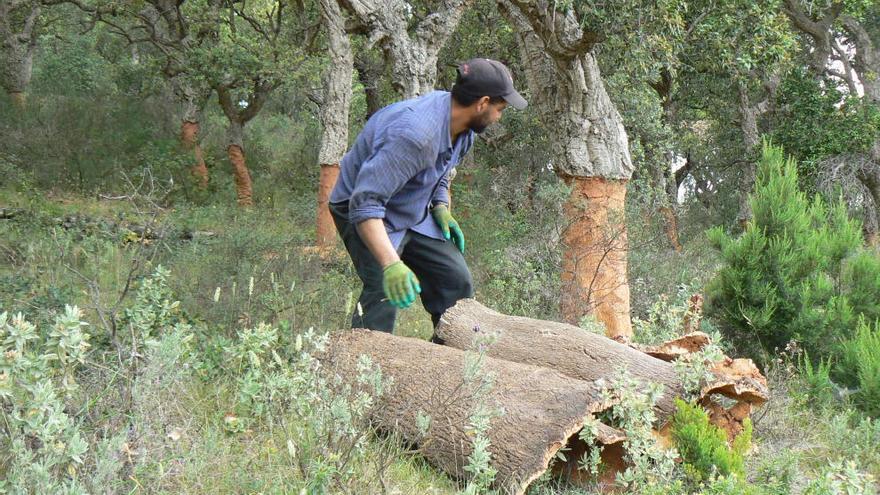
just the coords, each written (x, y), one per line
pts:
(487, 77)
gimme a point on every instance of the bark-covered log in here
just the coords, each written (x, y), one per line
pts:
(587, 356)
(543, 409)
(565, 348)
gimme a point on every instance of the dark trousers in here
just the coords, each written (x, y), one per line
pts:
(443, 274)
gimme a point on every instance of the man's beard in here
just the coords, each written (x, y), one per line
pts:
(479, 123)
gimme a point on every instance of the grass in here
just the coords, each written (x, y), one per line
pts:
(263, 249)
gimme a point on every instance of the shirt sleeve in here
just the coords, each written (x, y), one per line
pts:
(399, 159)
(441, 194)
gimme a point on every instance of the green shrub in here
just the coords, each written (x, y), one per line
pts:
(861, 360)
(703, 446)
(817, 378)
(811, 123)
(797, 272)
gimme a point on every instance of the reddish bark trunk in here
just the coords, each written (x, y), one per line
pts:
(189, 137)
(243, 188)
(325, 234)
(594, 258)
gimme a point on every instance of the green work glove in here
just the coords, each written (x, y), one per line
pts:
(448, 225)
(400, 285)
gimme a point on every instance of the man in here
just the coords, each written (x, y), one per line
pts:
(391, 201)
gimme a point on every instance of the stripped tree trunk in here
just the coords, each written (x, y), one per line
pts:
(335, 105)
(238, 116)
(590, 153)
(19, 29)
(190, 129)
(189, 138)
(242, 177)
(543, 409)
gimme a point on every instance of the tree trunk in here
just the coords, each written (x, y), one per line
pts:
(193, 102)
(590, 152)
(189, 138)
(240, 173)
(19, 30)
(242, 176)
(749, 127)
(594, 247)
(565, 348)
(326, 229)
(866, 60)
(543, 410)
(335, 106)
(369, 72)
(238, 116)
(411, 53)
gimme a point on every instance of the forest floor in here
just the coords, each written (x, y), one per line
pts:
(201, 422)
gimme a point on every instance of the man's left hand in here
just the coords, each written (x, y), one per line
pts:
(448, 225)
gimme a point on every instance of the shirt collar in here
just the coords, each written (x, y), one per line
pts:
(447, 108)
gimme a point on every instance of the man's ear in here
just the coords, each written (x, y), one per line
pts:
(482, 104)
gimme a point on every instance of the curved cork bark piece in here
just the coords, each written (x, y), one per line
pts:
(570, 350)
(738, 379)
(543, 409)
(676, 348)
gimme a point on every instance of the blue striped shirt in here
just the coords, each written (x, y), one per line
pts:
(400, 164)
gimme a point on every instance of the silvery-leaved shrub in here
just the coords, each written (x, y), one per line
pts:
(842, 478)
(42, 445)
(324, 417)
(479, 382)
(633, 413)
(154, 307)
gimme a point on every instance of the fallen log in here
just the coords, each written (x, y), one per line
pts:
(587, 356)
(565, 348)
(544, 410)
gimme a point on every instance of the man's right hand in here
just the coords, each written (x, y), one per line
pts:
(400, 285)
